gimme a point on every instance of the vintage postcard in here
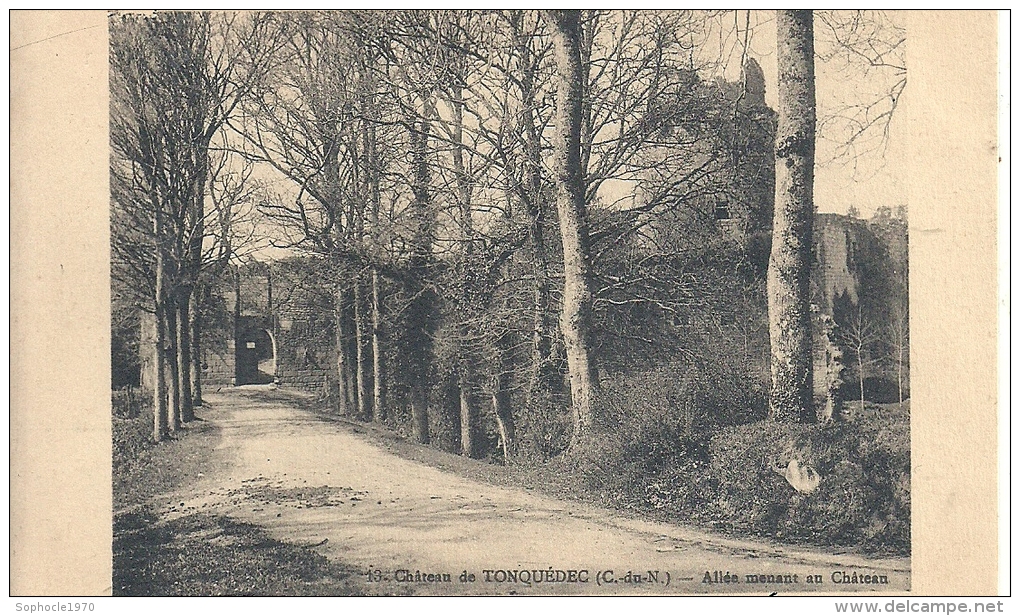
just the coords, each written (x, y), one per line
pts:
(506, 302)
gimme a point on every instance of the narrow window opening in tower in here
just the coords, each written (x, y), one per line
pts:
(722, 209)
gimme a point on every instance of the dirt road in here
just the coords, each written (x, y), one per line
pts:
(317, 483)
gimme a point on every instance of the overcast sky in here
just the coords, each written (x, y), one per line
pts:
(868, 181)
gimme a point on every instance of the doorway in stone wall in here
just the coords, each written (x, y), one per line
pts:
(256, 357)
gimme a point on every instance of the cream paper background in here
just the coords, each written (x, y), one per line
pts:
(60, 484)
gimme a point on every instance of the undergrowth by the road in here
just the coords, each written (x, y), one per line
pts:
(729, 482)
(206, 555)
(143, 469)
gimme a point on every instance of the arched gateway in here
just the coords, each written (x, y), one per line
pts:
(256, 356)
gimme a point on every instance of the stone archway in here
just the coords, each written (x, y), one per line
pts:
(256, 357)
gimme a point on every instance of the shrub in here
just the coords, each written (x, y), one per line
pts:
(130, 438)
(656, 453)
(543, 423)
(130, 401)
(671, 447)
(132, 423)
(863, 498)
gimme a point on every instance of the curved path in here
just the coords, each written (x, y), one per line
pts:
(317, 483)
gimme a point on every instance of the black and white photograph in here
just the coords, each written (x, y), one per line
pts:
(510, 302)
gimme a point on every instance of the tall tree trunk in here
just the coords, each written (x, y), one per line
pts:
(899, 371)
(530, 195)
(790, 260)
(575, 320)
(184, 354)
(237, 323)
(541, 345)
(421, 310)
(196, 347)
(350, 356)
(378, 366)
(901, 332)
(191, 322)
(468, 414)
(505, 425)
(342, 368)
(161, 421)
(860, 376)
(541, 376)
(173, 380)
(359, 353)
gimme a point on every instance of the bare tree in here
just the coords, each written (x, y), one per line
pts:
(899, 329)
(855, 44)
(575, 319)
(154, 111)
(859, 336)
(304, 122)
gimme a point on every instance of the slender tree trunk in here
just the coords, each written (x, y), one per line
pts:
(378, 378)
(373, 172)
(468, 417)
(901, 325)
(468, 414)
(173, 380)
(269, 290)
(541, 346)
(899, 371)
(343, 396)
(364, 412)
(346, 353)
(191, 322)
(196, 348)
(161, 422)
(790, 260)
(505, 425)
(350, 357)
(860, 376)
(184, 353)
(237, 324)
(378, 367)
(530, 194)
(575, 320)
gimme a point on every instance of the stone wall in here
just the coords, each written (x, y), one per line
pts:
(304, 312)
(858, 281)
(216, 350)
(218, 363)
(217, 345)
(286, 301)
(835, 240)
